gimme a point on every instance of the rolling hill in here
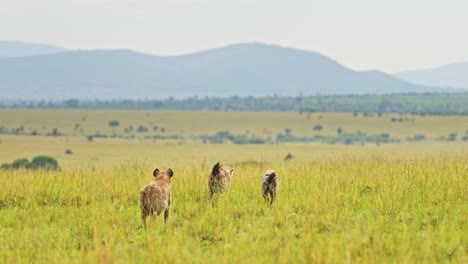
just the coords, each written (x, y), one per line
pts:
(243, 69)
(20, 49)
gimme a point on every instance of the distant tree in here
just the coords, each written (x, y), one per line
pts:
(71, 103)
(287, 131)
(308, 111)
(55, 132)
(339, 131)
(383, 106)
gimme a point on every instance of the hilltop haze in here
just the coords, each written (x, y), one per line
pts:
(452, 75)
(243, 69)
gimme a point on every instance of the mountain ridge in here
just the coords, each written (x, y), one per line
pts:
(246, 69)
(9, 49)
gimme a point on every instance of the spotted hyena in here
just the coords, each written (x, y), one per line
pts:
(155, 197)
(219, 179)
(270, 185)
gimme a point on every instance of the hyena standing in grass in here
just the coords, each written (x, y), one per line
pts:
(270, 185)
(155, 197)
(219, 179)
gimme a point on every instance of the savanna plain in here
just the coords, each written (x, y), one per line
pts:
(371, 202)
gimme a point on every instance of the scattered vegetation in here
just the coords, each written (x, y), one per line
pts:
(344, 138)
(416, 138)
(227, 137)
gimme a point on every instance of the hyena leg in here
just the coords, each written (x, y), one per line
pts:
(166, 212)
(153, 213)
(272, 195)
(265, 196)
(213, 202)
(143, 218)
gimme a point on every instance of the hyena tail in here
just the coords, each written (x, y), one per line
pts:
(271, 177)
(216, 168)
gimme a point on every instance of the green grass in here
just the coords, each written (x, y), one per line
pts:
(329, 210)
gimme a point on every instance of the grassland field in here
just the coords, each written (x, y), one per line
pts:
(402, 202)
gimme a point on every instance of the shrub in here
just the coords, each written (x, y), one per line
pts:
(128, 129)
(142, 129)
(317, 127)
(289, 156)
(113, 123)
(452, 137)
(44, 162)
(20, 163)
(68, 151)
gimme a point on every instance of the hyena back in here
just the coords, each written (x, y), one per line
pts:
(155, 197)
(220, 178)
(270, 186)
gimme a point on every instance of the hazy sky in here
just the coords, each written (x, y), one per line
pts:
(389, 35)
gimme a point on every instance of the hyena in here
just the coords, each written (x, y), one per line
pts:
(219, 179)
(155, 197)
(270, 185)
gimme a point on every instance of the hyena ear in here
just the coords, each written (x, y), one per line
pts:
(170, 172)
(231, 172)
(155, 172)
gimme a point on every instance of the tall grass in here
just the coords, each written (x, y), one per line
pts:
(347, 209)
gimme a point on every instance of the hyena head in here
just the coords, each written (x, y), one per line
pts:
(163, 175)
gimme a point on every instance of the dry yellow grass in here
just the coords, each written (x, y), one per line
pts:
(263, 124)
